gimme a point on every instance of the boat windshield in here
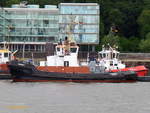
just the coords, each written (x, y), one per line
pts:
(104, 55)
(5, 54)
(117, 55)
(73, 50)
(114, 55)
(100, 55)
(58, 49)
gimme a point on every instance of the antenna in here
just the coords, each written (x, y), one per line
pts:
(70, 27)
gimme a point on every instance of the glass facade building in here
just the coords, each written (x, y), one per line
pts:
(4, 25)
(81, 20)
(33, 26)
(30, 27)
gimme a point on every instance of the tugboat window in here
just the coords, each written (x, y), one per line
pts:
(111, 63)
(5, 54)
(73, 50)
(104, 55)
(58, 49)
(9, 55)
(114, 55)
(117, 55)
(100, 55)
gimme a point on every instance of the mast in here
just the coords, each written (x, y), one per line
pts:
(70, 28)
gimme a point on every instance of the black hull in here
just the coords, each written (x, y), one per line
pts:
(144, 79)
(5, 76)
(28, 73)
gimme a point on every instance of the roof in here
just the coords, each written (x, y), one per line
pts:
(33, 9)
(79, 4)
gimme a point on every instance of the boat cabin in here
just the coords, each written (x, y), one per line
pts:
(108, 54)
(66, 54)
(109, 59)
(62, 50)
(5, 55)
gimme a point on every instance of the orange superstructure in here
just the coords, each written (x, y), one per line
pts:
(82, 69)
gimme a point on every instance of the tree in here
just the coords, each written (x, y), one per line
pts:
(123, 13)
(101, 28)
(129, 45)
(44, 2)
(146, 4)
(145, 44)
(144, 22)
(2, 3)
(115, 16)
(10, 2)
(124, 44)
(112, 40)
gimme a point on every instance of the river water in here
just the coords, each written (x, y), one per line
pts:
(55, 97)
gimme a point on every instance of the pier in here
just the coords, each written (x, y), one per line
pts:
(133, 59)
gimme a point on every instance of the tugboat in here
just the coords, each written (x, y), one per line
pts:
(64, 66)
(28, 73)
(109, 59)
(5, 56)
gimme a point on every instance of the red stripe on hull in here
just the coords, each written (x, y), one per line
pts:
(101, 81)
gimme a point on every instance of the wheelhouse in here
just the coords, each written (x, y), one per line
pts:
(109, 54)
(5, 55)
(63, 50)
